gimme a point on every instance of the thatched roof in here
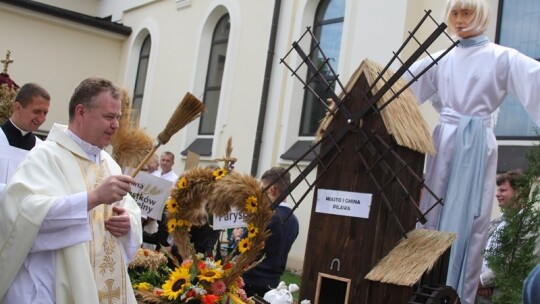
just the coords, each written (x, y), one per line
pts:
(401, 117)
(412, 257)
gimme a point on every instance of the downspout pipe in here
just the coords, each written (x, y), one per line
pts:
(265, 89)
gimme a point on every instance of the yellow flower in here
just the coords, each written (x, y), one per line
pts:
(209, 274)
(244, 245)
(171, 225)
(180, 223)
(252, 230)
(176, 284)
(219, 173)
(143, 286)
(251, 204)
(172, 205)
(182, 183)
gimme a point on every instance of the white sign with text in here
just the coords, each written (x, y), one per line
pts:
(232, 220)
(343, 203)
(151, 193)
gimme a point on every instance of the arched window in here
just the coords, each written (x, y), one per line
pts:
(214, 76)
(328, 29)
(140, 80)
(519, 28)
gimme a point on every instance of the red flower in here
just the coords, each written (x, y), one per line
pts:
(209, 299)
(201, 265)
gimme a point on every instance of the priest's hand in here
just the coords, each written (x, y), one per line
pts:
(113, 189)
(118, 224)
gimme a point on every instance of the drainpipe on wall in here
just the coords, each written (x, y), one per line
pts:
(265, 89)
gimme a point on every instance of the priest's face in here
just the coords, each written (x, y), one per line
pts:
(31, 117)
(100, 120)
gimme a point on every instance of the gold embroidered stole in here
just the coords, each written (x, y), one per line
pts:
(104, 249)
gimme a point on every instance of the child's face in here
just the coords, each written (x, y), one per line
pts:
(460, 21)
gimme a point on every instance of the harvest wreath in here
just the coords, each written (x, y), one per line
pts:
(198, 193)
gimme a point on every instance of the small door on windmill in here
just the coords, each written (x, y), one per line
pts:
(332, 289)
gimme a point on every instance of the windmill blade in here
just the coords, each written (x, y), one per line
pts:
(322, 73)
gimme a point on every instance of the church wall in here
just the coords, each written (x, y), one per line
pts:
(56, 54)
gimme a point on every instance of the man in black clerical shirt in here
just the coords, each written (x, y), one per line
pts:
(16, 134)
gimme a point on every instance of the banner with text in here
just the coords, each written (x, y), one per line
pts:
(343, 203)
(232, 220)
(151, 193)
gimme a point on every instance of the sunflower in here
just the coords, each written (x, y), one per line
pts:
(244, 245)
(251, 204)
(252, 230)
(176, 284)
(219, 173)
(172, 205)
(182, 183)
(171, 225)
(184, 223)
(210, 271)
(143, 286)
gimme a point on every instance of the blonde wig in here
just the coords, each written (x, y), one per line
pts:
(481, 10)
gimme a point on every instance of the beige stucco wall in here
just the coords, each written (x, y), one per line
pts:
(56, 54)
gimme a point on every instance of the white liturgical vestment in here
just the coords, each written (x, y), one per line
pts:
(53, 249)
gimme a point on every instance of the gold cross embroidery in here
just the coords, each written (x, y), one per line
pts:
(108, 294)
(7, 61)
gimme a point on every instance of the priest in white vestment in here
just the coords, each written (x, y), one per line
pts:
(468, 85)
(30, 110)
(68, 227)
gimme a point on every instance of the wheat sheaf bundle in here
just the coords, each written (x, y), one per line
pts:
(218, 191)
(130, 144)
(188, 110)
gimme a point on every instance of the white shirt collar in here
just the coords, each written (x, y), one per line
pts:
(92, 151)
(23, 132)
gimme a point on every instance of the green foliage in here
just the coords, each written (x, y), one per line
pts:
(144, 275)
(511, 256)
(292, 278)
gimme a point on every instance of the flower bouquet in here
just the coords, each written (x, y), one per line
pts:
(200, 279)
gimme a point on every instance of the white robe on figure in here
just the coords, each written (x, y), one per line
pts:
(51, 248)
(10, 158)
(472, 80)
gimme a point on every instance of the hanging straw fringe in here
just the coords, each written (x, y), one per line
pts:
(412, 257)
(188, 110)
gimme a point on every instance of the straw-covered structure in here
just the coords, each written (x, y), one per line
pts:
(412, 257)
(401, 117)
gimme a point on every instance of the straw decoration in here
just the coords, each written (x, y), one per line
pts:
(401, 117)
(412, 257)
(228, 160)
(188, 110)
(130, 144)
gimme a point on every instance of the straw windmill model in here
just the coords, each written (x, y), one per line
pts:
(362, 246)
